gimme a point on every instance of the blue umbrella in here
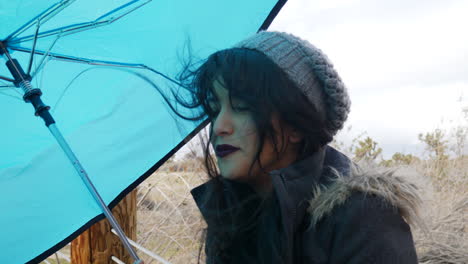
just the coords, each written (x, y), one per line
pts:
(88, 67)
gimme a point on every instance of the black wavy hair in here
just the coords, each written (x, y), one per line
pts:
(251, 77)
(254, 79)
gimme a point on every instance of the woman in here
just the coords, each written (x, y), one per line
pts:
(279, 194)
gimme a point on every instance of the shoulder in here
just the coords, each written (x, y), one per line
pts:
(366, 191)
(369, 229)
(366, 217)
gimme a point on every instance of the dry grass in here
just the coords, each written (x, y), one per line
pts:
(169, 222)
(445, 212)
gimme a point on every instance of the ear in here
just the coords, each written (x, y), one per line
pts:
(295, 136)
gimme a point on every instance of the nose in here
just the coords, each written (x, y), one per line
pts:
(223, 124)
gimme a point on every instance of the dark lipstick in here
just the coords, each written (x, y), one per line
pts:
(224, 150)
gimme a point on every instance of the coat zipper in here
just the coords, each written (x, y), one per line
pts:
(292, 227)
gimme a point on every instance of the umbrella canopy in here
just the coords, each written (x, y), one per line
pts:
(116, 123)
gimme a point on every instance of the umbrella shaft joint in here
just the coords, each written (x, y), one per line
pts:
(31, 95)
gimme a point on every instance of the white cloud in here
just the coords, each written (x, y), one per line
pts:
(394, 118)
(405, 62)
(412, 107)
(389, 51)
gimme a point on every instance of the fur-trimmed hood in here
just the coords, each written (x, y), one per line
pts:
(390, 186)
(326, 179)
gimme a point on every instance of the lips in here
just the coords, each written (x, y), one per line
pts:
(224, 150)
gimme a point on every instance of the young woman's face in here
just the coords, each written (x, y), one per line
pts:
(235, 141)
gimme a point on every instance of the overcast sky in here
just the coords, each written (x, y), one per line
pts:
(405, 63)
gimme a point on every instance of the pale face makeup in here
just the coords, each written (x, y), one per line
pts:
(235, 142)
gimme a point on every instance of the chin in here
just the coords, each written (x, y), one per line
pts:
(233, 171)
(230, 175)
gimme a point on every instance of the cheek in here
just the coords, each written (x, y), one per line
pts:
(249, 138)
(246, 127)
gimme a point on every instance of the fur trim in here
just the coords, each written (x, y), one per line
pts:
(393, 188)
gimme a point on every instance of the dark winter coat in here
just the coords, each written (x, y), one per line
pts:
(331, 212)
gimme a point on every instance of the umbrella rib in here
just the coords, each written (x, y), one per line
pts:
(75, 28)
(46, 15)
(122, 7)
(12, 96)
(124, 14)
(67, 30)
(6, 79)
(94, 62)
(46, 55)
(4, 87)
(33, 49)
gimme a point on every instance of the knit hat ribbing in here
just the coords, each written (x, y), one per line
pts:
(311, 71)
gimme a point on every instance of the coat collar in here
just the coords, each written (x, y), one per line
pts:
(301, 177)
(293, 185)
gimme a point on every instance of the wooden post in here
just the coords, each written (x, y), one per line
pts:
(97, 244)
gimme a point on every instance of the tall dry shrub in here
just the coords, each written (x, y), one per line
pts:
(443, 182)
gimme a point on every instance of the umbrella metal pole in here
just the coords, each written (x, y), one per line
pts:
(33, 96)
(84, 176)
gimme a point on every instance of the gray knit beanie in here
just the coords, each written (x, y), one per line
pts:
(309, 69)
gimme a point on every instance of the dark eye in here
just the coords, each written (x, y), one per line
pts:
(240, 107)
